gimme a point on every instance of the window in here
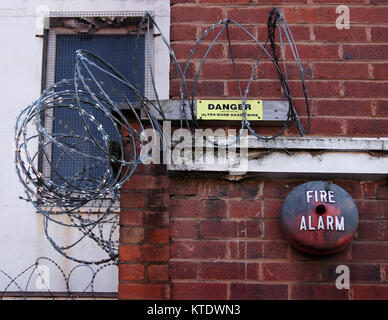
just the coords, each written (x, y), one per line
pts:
(111, 36)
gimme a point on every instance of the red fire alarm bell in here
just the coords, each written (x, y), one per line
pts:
(319, 218)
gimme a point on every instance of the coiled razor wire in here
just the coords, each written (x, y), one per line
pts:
(88, 199)
(37, 273)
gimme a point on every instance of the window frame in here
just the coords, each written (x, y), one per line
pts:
(49, 68)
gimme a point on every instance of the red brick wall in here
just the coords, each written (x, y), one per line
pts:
(226, 243)
(144, 235)
(216, 239)
(190, 238)
(346, 70)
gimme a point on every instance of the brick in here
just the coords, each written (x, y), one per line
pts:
(153, 254)
(212, 71)
(230, 229)
(372, 210)
(276, 249)
(299, 33)
(328, 127)
(146, 182)
(316, 89)
(270, 89)
(366, 89)
(291, 271)
(279, 1)
(173, 2)
(237, 249)
(131, 272)
(245, 51)
(344, 71)
(368, 230)
(382, 192)
(131, 217)
(279, 189)
(184, 229)
(267, 70)
(183, 187)
(176, 74)
(181, 32)
(218, 229)
(365, 52)
(132, 200)
(370, 292)
(143, 253)
(370, 251)
(340, 257)
(357, 272)
(183, 51)
(182, 270)
(254, 291)
(158, 199)
(155, 218)
(198, 291)
(362, 127)
(339, 1)
(226, 1)
(309, 14)
(131, 235)
(272, 230)
(185, 208)
(158, 273)
(244, 190)
(195, 14)
(365, 272)
(384, 227)
(318, 292)
(380, 71)
(223, 270)
(158, 236)
(144, 291)
(248, 15)
(315, 52)
(379, 34)
(369, 189)
(235, 33)
(198, 208)
(210, 89)
(354, 188)
(332, 34)
(272, 208)
(252, 271)
(343, 108)
(213, 188)
(382, 108)
(245, 209)
(364, 14)
(254, 250)
(198, 249)
(129, 253)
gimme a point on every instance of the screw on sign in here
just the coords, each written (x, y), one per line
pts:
(319, 218)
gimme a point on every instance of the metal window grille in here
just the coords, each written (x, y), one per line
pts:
(110, 35)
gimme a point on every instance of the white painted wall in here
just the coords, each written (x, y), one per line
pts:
(21, 233)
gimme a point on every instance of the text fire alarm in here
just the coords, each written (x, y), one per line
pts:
(319, 218)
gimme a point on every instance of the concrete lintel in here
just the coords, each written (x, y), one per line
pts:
(356, 158)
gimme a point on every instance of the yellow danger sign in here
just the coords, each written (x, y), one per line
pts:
(229, 110)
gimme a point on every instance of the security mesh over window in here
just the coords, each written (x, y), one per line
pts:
(114, 39)
(119, 51)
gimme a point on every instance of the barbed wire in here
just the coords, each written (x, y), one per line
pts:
(41, 273)
(103, 150)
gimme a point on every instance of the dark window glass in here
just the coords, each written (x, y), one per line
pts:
(118, 50)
